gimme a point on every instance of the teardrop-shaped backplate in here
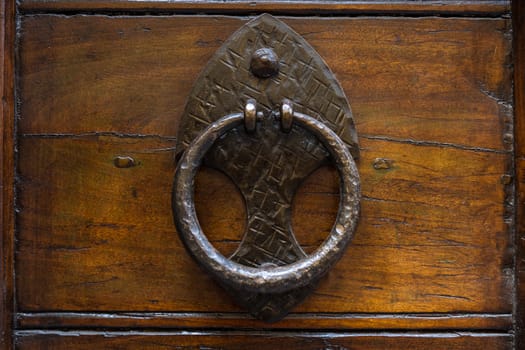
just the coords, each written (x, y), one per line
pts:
(268, 62)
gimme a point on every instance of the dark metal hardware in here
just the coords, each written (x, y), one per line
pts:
(264, 63)
(294, 118)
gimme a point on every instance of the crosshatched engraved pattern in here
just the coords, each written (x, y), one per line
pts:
(268, 193)
(267, 169)
(226, 83)
(267, 165)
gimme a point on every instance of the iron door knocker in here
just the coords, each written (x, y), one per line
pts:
(267, 148)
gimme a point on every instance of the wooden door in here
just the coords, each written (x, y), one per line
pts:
(92, 97)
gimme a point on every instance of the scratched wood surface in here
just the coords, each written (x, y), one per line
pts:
(81, 340)
(519, 99)
(7, 172)
(431, 102)
(427, 7)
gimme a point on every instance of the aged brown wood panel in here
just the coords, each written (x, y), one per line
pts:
(444, 7)
(101, 238)
(187, 320)
(87, 340)
(7, 121)
(432, 102)
(443, 80)
(189, 340)
(519, 107)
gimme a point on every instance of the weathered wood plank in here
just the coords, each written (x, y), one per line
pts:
(519, 108)
(338, 321)
(431, 106)
(442, 81)
(7, 171)
(443, 7)
(189, 340)
(432, 236)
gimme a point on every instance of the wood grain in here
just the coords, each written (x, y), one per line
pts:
(306, 341)
(519, 108)
(7, 127)
(431, 99)
(305, 321)
(370, 7)
(431, 238)
(442, 81)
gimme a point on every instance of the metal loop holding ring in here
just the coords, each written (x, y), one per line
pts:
(268, 279)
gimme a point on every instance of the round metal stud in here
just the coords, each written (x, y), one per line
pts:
(264, 63)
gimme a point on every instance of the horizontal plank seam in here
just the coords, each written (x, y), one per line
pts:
(237, 314)
(301, 333)
(504, 319)
(173, 138)
(244, 315)
(98, 134)
(299, 9)
(150, 13)
(434, 144)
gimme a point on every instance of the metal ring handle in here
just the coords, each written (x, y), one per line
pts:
(268, 279)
